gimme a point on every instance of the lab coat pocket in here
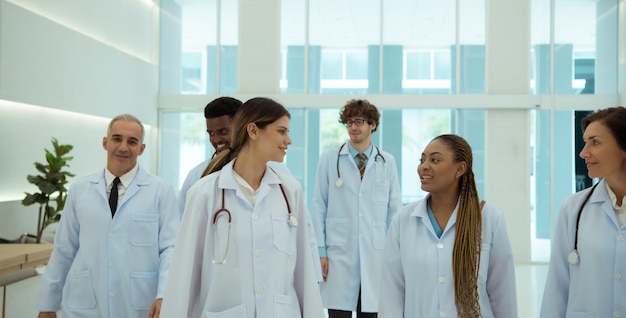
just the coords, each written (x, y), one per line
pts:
(580, 315)
(284, 235)
(80, 294)
(380, 193)
(283, 306)
(483, 270)
(234, 312)
(379, 231)
(337, 231)
(143, 289)
(144, 229)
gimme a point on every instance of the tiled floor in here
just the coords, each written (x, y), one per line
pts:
(530, 280)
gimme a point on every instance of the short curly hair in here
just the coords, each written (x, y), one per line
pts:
(360, 108)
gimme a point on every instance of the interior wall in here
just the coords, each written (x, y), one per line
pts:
(66, 68)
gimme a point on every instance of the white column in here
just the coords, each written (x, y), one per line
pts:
(606, 47)
(507, 130)
(259, 46)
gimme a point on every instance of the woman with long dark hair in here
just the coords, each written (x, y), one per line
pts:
(448, 255)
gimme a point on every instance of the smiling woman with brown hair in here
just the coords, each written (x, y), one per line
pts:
(588, 257)
(448, 254)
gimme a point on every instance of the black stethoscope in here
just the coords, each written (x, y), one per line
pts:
(293, 222)
(573, 257)
(339, 182)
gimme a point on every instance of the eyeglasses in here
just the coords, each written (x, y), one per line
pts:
(219, 132)
(358, 122)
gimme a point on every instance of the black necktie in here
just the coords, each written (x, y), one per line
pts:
(362, 157)
(113, 196)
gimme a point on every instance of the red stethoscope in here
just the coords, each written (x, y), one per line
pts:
(293, 222)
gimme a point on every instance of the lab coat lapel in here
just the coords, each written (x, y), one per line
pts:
(99, 181)
(140, 180)
(601, 197)
(270, 178)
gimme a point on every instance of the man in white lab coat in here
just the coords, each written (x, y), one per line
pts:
(356, 193)
(113, 245)
(219, 115)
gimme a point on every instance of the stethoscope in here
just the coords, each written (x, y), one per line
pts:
(339, 182)
(293, 222)
(573, 257)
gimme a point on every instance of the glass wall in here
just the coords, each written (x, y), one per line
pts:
(384, 48)
(208, 46)
(388, 47)
(574, 47)
(573, 51)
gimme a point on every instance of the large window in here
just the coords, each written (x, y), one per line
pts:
(388, 47)
(578, 55)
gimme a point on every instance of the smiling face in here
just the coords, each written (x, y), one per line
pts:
(123, 146)
(437, 170)
(273, 140)
(603, 156)
(218, 129)
(360, 135)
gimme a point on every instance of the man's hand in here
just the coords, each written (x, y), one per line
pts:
(47, 314)
(324, 263)
(155, 309)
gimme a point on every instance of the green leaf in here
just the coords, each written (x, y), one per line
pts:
(51, 180)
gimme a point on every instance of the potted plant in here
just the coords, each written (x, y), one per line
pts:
(51, 183)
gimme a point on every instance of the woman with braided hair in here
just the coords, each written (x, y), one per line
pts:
(448, 254)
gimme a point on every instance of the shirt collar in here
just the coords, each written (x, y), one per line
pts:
(354, 152)
(614, 199)
(125, 179)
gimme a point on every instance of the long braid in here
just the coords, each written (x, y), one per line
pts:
(466, 251)
(468, 237)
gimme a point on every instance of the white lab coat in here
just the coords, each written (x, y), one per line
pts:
(417, 278)
(596, 286)
(351, 223)
(192, 177)
(268, 270)
(196, 173)
(111, 267)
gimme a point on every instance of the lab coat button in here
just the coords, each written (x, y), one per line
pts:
(442, 313)
(257, 252)
(110, 235)
(617, 276)
(111, 264)
(442, 279)
(259, 290)
(617, 314)
(620, 237)
(255, 216)
(439, 245)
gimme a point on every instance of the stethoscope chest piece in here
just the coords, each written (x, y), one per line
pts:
(293, 221)
(339, 183)
(573, 258)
